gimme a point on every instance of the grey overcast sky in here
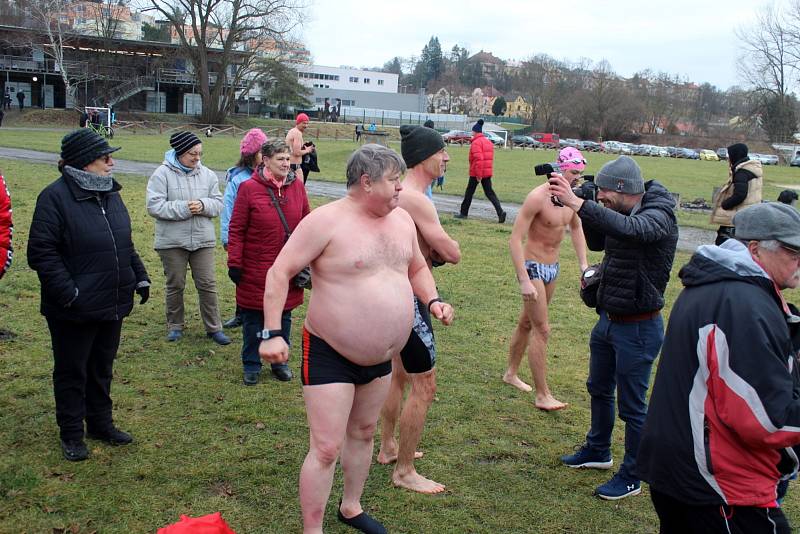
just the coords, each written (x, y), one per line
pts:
(692, 38)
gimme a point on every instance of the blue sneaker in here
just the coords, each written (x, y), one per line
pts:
(587, 458)
(174, 335)
(219, 338)
(618, 488)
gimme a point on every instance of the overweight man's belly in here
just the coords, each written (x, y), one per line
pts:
(367, 320)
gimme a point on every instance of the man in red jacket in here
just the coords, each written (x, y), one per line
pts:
(481, 159)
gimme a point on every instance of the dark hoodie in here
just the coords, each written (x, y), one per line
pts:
(723, 411)
(639, 247)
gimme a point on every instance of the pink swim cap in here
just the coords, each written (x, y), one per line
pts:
(571, 158)
(301, 117)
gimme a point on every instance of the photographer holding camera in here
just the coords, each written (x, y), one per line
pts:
(541, 225)
(637, 229)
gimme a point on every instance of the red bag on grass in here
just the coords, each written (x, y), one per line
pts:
(207, 524)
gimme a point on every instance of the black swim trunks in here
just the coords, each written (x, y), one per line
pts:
(294, 166)
(323, 365)
(419, 354)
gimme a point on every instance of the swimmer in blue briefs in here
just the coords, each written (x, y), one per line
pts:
(535, 244)
(425, 154)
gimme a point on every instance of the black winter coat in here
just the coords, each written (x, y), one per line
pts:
(639, 247)
(81, 240)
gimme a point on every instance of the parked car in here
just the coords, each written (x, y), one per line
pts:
(590, 146)
(494, 138)
(765, 159)
(708, 155)
(625, 148)
(612, 147)
(795, 161)
(689, 153)
(659, 151)
(568, 142)
(549, 140)
(458, 137)
(722, 153)
(525, 141)
(640, 150)
(673, 152)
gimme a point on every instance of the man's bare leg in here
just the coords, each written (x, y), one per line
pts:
(537, 346)
(519, 342)
(357, 449)
(412, 420)
(328, 409)
(391, 413)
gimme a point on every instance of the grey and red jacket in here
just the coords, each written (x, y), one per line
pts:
(724, 411)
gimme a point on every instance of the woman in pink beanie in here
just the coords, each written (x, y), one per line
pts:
(249, 159)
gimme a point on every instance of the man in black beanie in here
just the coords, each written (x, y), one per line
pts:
(425, 156)
(481, 161)
(743, 188)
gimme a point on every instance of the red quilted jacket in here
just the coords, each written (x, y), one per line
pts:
(256, 236)
(6, 228)
(481, 156)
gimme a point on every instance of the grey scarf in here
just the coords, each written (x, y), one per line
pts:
(90, 181)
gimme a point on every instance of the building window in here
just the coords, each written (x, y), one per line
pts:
(380, 82)
(354, 79)
(336, 77)
(366, 80)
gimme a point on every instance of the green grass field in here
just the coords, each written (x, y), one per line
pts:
(513, 178)
(205, 443)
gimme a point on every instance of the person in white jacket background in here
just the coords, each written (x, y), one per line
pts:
(183, 196)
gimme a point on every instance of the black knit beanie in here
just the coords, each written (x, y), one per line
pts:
(428, 124)
(737, 153)
(478, 127)
(418, 143)
(183, 141)
(83, 146)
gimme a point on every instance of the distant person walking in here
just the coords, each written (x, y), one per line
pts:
(297, 148)
(743, 188)
(21, 99)
(7, 99)
(481, 161)
(2, 114)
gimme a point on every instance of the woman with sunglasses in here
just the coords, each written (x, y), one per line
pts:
(183, 196)
(255, 237)
(80, 246)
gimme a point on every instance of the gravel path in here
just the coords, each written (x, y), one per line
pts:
(690, 238)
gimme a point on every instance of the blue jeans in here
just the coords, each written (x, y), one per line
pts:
(622, 356)
(253, 323)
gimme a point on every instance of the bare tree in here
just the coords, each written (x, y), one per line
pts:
(224, 38)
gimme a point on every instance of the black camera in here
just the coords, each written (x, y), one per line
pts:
(587, 190)
(546, 169)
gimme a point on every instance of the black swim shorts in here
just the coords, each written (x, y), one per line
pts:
(323, 365)
(419, 354)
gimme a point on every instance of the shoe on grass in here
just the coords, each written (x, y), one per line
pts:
(174, 335)
(282, 373)
(459, 216)
(250, 379)
(74, 450)
(584, 457)
(502, 217)
(112, 436)
(618, 487)
(219, 338)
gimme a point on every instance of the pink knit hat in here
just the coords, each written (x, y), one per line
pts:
(252, 141)
(571, 158)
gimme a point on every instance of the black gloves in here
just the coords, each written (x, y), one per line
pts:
(235, 274)
(144, 293)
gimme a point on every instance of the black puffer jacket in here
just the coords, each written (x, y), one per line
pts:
(82, 240)
(639, 247)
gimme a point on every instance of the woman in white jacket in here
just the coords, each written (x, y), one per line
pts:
(183, 196)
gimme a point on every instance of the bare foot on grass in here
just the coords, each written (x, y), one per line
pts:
(549, 403)
(416, 482)
(386, 459)
(516, 382)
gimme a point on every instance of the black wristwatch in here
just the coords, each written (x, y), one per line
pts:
(269, 334)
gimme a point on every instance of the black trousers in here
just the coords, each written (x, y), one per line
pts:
(472, 185)
(83, 355)
(677, 517)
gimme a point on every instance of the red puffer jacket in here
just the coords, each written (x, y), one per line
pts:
(481, 156)
(256, 236)
(6, 228)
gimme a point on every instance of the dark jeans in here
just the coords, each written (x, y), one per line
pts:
(677, 517)
(622, 355)
(83, 354)
(253, 323)
(486, 184)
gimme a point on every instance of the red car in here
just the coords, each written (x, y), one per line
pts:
(457, 136)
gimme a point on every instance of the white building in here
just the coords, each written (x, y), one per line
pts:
(347, 79)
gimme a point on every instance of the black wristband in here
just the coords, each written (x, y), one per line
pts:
(437, 299)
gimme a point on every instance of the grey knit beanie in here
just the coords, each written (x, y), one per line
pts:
(418, 143)
(622, 175)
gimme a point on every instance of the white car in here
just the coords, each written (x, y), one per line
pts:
(494, 138)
